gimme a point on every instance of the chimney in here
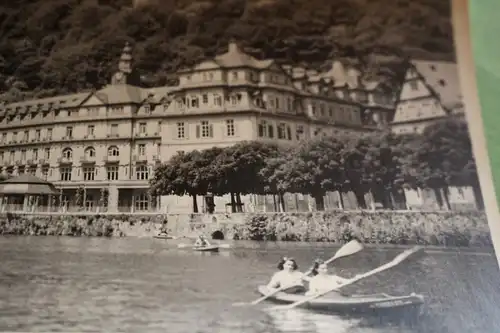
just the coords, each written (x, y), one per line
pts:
(232, 47)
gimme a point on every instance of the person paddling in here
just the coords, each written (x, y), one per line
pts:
(323, 281)
(288, 275)
(201, 242)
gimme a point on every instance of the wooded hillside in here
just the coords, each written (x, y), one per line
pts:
(61, 46)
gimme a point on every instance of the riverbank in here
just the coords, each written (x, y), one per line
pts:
(379, 227)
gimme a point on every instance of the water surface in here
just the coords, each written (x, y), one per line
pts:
(133, 285)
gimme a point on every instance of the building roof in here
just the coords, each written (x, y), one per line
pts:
(234, 57)
(442, 78)
(27, 184)
(44, 104)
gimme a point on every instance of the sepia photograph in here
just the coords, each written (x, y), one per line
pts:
(240, 166)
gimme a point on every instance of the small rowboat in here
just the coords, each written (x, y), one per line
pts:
(163, 236)
(371, 304)
(210, 248)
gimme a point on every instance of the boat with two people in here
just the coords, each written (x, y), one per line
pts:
(287, 287)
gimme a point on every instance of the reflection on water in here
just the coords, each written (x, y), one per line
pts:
(301, 321)
(132, 285)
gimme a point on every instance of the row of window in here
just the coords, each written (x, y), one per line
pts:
(66, 173)
(67, 153)
(113, 132)
(41, 112)
(205, 129)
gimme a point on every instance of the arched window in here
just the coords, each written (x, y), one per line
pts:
(90, 152)
(67, 153)
(113, 151)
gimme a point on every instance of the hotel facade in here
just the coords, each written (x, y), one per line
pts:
(106, 143)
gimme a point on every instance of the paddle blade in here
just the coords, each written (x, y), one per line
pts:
(348, 249)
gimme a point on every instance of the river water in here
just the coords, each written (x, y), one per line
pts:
(148, 285)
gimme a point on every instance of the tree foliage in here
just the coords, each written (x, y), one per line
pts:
(62, 46)
(380, 163)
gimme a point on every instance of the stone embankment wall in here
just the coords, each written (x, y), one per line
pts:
(380, 227)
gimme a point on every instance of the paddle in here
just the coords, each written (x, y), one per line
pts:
(346, 250)
(396, 261)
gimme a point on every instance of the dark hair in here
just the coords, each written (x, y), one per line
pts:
(315, 266)
(281, 263)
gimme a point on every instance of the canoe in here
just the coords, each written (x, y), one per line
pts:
(164, 237)
(210, 248)
(352, 304)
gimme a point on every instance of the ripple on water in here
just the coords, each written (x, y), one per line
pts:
(136, 285)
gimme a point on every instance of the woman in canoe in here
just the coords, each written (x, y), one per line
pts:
(322, 281)
(288, 276)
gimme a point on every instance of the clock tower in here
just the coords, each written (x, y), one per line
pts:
(125, 73)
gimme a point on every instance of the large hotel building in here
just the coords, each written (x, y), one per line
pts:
(111, 139)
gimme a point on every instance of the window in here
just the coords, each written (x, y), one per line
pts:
(195, 102)
(289, 133)
(114, 129)
(112, 172)
(49, 134)
(1, 156)
(37, 135)
(4, 137)
(65, 173)
(35, 154)
(141, 172)
(26, 136)
(12, 155)
(69, 132)
(147, 108)
(32, 170)
(142, 128)
(67, 153)
(113, 151)
(88, 173)
(141, 202)
(414, 85)
(217, 100)
(270, 131)
(21, 169)
(14, 136)
(90, 130)
(262, 129)
(204, 98)
(205, 130)
(180, 104)
(45, 172)
(181, 131)
(90, 153)
(23, 155)
(235, 75)
(141, 149)
(230, 130)
(47, 153)
(281, 131)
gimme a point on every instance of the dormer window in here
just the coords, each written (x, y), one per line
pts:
(147, 108)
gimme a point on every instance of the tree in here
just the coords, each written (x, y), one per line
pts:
(170, 178)
(313, 168)
(383, 165)
(239, 169)
(444, 158)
